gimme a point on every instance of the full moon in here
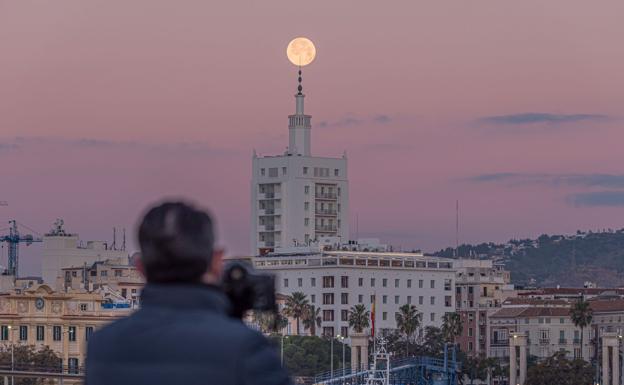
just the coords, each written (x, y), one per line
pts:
(301, 51)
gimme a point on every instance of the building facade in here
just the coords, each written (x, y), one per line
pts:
(39, 316)
(297, 198)
(62, 249)
(545, 323)
(480, 288)
(335, 281)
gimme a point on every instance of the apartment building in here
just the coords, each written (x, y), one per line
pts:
(480, 288)
(546, 323)
(337, 280)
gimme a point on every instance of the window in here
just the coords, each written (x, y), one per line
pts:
(344, 331)
(470, 346)
(328, 281)
(344, 315)
(561, 320)
(432, 300)
(420, 299)
(396, 283)
(312, 298)
(118, 273)
(360, 298)
(328, 315)
(433, 283)
(72, 333)
(409, 283)
(470, 290)
(447, 301)
(344, 281)
(313, 282)
(420, 283)
(4, 333)
(396, 299)
(88, 332)
(360, 282)
(84, 307)
(336, 172)
(384, 316)
(409, 299)
(384, 282)
(432, 317)
(273, 172)
(306, 206)
(283, 170)
(372, 282)
(56, 333)
(262, 172)
(384, 299)
(328, 298)
(305, 172)
(40, 333)
(306, 221)
(300, 282)
(104, 273)
(23, 333)
(372, 298)
(328, 331)
(72, 365)
(469, 332)
(344, 298)
(448, 283)
(285, 282)
(470, 317)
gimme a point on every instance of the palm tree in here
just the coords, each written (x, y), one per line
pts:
(408, 320)
(296, 305)
(581, 314)
(451, 326)
(312, 319)
(269, 322)
(359, 318)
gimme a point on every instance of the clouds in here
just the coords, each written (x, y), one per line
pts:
(597, 198)
(609, 183)
(541, 118)
(351, 121)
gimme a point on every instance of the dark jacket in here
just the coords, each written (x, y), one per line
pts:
(181, 336)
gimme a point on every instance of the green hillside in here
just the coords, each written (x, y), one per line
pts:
(566, 260)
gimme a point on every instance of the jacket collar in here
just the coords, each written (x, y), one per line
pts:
(185, 296)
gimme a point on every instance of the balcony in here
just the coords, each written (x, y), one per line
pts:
(329, 196)
(544, 341)
(326, 212)
(269, 195)
(563, 341)
(326, 229)
(269, 211)
(577, 341)
(499, 343)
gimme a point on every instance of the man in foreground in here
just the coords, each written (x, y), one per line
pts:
(182, 334)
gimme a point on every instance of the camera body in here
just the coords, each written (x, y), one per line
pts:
(247, 289)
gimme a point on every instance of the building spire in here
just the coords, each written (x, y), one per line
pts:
(299, 124)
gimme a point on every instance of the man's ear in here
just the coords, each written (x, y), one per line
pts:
(216, 267)
(138, 263)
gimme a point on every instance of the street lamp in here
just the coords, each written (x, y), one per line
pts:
(12, 355)
(342, 338)
(282, 350)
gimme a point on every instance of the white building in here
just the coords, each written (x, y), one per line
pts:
(297, 198)
(335, 281)
(62, 249)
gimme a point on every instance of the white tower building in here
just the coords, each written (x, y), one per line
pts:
(297, 198)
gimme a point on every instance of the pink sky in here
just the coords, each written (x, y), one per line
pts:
(514, 108)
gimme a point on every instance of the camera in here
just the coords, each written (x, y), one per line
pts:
(247, 289)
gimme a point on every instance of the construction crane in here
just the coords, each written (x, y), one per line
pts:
(13, 239)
